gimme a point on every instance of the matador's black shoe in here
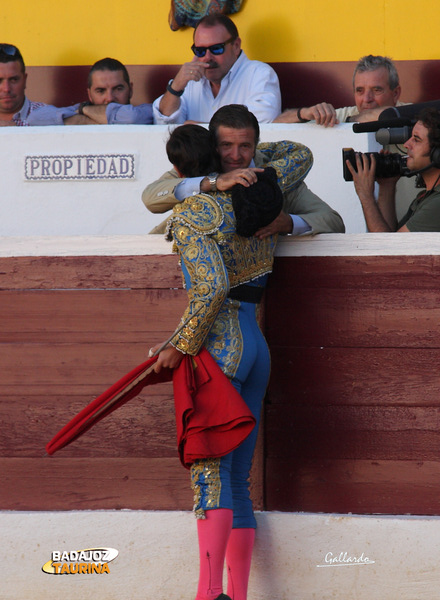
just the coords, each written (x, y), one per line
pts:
(223, 597)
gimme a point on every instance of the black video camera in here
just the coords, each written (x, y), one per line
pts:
(387, 165)
(392, 127)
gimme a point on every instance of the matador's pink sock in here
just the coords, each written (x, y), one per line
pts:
(238, 561)
(213, 533)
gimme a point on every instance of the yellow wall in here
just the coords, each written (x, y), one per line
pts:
(137, 32)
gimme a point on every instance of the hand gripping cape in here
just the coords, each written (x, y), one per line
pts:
(212, 418)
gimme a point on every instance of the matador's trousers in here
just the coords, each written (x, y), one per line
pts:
(239, 347)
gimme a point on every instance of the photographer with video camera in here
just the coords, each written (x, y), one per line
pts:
(423, 159)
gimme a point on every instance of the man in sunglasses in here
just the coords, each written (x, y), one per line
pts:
(219, 74)
(109, 90)
(15, 108)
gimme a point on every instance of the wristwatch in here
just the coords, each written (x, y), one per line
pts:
(82, 105)
(212, 178)
(171, 90)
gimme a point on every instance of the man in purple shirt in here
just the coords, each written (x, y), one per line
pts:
(15, 108)
(109, 90)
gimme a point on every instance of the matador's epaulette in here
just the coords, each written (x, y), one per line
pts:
(200, 213)
(291, 161)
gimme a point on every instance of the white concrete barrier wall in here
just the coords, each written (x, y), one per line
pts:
(88, 180)
(333, 244)
(297, 556)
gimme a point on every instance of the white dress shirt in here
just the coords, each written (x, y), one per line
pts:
(250, 82)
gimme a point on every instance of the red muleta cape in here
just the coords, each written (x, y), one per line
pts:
(212, 418)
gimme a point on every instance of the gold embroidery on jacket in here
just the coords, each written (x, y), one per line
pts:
(291, 160)
(215, 259)
(225, 340)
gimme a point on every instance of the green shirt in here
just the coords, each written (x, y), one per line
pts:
(424, 212)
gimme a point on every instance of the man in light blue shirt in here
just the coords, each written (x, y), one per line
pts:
(109, 90)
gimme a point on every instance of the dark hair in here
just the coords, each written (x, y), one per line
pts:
(214, 19)
(190, 148)
(257, 205)
(108, 64)
(372, 63)
(430, 117)
(10, 53)
(236, 116)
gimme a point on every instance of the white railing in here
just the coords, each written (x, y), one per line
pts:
(88, 180)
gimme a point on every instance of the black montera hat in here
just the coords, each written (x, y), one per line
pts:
(257, 205)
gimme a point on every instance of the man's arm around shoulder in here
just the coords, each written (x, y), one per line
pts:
(159, 196)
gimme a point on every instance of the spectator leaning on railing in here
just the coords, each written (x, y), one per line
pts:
(109, 92)
(375, 87)
(240, 156)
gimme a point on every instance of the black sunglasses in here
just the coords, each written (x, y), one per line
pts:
(215, 49)
(9, 50)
